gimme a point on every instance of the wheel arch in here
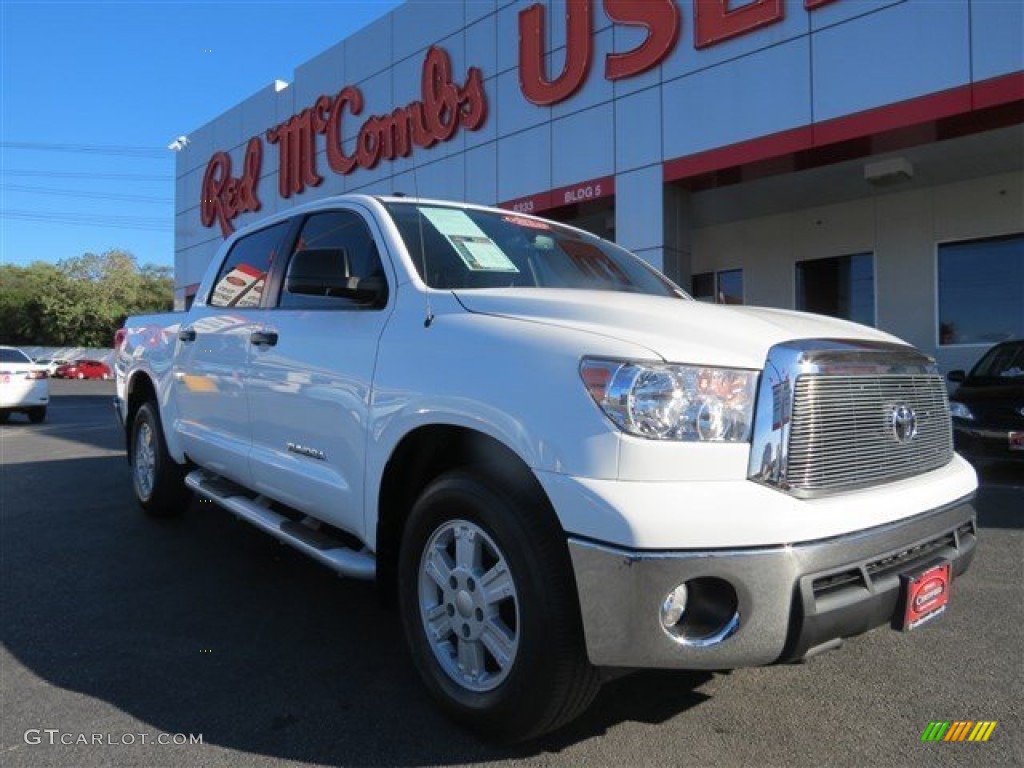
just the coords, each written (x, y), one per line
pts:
(424, 454)
(138, 390)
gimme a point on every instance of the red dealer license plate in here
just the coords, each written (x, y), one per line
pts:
(925, 595)
(1017, 441)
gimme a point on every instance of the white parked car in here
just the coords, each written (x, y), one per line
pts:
(52, 364)
(554, 458)
(24, 386)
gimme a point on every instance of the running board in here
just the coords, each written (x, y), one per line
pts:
(309, 541)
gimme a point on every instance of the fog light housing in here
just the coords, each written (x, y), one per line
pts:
(701, 612)
(673, 607)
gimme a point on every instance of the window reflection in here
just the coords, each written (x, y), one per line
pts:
(981, 290)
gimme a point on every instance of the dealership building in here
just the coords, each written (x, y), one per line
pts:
(861, 158)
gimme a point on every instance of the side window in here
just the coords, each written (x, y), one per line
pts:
(243, 275)
(334, 265)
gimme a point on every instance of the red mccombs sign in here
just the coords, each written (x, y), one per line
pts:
(445, 106)
(443, 109)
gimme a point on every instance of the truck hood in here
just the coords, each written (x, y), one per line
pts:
(677, 330)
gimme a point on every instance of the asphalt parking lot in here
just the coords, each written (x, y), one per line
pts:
(124, 630)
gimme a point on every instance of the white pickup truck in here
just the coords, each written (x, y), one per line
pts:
(555, 460)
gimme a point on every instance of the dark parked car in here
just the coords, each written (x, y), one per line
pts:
(84, 369)
(988, 406)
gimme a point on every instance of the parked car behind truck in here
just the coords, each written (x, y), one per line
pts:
(24, 386)
(554, 458)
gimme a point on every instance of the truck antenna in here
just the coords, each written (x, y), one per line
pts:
(429, 318)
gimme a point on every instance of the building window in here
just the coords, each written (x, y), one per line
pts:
(725, 287)
(981, 290)
(840, 286)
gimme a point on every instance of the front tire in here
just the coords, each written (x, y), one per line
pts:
(158, 481)
(37, 415)
(80, 376)
(490, 610)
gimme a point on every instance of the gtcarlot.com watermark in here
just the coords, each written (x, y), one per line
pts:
(57, 737)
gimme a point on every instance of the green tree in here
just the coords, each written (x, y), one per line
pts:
(79, 301)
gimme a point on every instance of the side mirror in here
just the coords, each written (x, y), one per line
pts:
(957, 377)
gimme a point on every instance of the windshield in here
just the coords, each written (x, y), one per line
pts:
(1004, 361)
(468, 248)
(13, 356)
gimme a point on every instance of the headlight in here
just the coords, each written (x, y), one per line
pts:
(960, 411)
(673, 402)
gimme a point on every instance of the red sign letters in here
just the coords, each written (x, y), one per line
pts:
(713, 21)
(224, 197)
(444, 108)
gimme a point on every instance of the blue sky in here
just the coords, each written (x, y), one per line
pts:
(89, 76)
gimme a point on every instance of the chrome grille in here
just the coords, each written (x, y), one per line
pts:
(842, 436)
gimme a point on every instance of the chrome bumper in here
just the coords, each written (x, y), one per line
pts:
(792, 600)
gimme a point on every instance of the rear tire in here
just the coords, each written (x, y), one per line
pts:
(4, 416)
(490, 609)
(158, 481)
(37, 415)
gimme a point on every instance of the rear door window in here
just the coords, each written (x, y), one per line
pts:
(243, 275)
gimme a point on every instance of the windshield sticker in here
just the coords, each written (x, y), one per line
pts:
(477, 251)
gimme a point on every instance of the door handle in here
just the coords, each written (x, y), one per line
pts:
(263, 338)
(187, 334)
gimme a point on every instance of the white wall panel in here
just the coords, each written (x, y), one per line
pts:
(524, 163)
(445, 179)
(259, 113)
(478, 9)
(323, 74)
(908, 50)
(511, 110)
(839, 11)
(369, 50)
(686, 59)
(419, 24)
(227, 130)
(739, 100)
(997, 37)
(638, 209)
(481, 168)
(583, 146)
(193, 188)
(286, 104)
(985, 207)
(481, 43)
(638, 130)
(196, 153)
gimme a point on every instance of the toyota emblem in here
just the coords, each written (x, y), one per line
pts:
(904, 423)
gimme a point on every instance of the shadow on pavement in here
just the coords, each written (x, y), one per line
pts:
(204, 625)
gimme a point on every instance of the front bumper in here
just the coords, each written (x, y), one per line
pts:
(792, 600)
